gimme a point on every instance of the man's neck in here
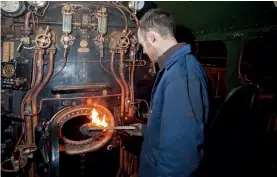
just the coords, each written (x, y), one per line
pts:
(167, 44)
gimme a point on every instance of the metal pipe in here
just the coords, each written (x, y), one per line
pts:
(119, 82)
(25, 97)
(27, 21)
(132, 95)
(81, 88)
(130, 164)
(29, 127)
(89, 127)
(64, 63)
(41, 86)
(135, 166)
(120, 5)
(20, 23)
(29, 124)
(121, 72)
(74, 98)
(125, 19)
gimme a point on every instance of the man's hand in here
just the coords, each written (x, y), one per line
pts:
(137, 131)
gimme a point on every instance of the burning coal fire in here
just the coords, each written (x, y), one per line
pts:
(96, 120)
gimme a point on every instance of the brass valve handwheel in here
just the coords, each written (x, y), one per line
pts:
(43, 41)
(123, 41)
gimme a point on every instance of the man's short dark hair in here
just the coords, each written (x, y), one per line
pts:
(159, 21)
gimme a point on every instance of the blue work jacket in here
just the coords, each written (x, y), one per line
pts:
(179, 109)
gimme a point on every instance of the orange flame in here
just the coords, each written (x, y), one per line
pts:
(96, 120)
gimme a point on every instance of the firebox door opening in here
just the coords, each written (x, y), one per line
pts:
(70, 119)
(71, 129)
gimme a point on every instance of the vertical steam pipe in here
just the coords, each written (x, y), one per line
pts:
(29, 126)
(41, 86)
(121, 72)
(133, 58)
(26, 29)
(28, 108)
(119, 82)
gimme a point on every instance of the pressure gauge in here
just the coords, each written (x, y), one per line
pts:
(12, 8)
(136, 5)
(37, 3)
(8, 71)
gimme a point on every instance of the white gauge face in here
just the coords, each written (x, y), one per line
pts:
(136, 5)
(37, 3)
(10, 6)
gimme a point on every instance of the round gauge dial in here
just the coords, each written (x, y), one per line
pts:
(12, 8)
(8, 71)
(136, 5)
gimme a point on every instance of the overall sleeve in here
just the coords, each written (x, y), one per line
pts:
(181, 128)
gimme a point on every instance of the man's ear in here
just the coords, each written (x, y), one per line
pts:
(151, 38)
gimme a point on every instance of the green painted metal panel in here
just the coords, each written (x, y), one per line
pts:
(231, 22)
(221, 16)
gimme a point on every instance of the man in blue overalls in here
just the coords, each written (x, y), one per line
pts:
(179, 102)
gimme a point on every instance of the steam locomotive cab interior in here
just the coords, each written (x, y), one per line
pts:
(73, 70)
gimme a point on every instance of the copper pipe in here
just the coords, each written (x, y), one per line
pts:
(28, 119)
(119, 82)
(24, 99)
(138, 101)
(26, 21)
(120, 8)
(44, 10)
(75, 98)
(120, 5)
(132, 95)
(80, 61)
(129, 168)
(32, 171)
(41, 86)
(64, 63)
(29, 128)
(7, 170)
(121, 72)
(125, 19)
(135, 173)
(101, 64)
(34, 23)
